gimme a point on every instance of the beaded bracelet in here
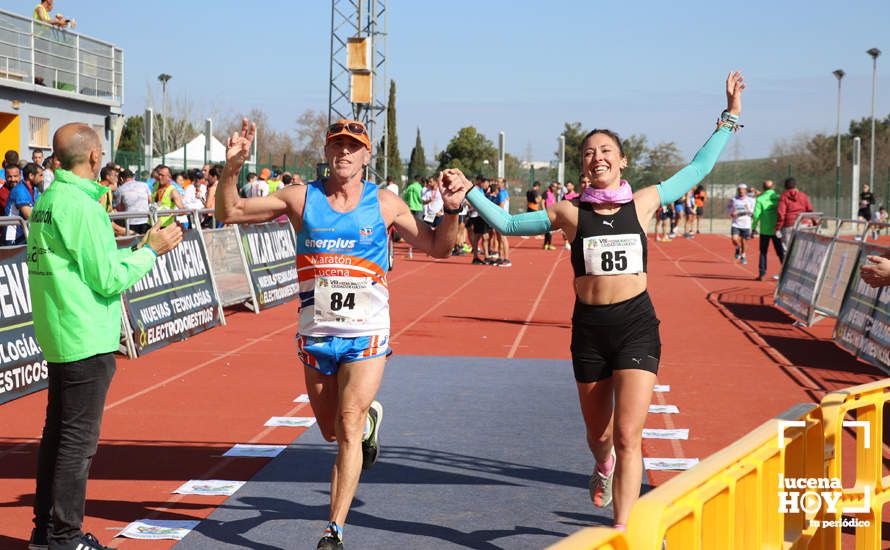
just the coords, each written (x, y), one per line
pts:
(729, 120)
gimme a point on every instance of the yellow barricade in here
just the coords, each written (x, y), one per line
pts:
(593, 538)
(780, 486)
(730, 501)
(865, 404)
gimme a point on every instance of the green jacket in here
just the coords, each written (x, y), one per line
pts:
(766, 211)
(77, 272)
(412, 195)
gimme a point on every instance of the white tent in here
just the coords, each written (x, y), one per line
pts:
(195, 151)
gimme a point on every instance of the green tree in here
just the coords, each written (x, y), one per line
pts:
(132, 135)
(470, 152)
(662, 161)
(635, 147)
(574, 141)
(417, 164)
(394, 161)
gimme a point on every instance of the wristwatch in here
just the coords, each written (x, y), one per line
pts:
(452, 211)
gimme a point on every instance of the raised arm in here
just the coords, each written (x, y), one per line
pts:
(527, 223)
(674, 187)
(440, 242)
(229, 207)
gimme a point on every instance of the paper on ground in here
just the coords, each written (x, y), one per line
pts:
(664, 409)
(258, 451)
(669, 463)
(291, 421)
(209, 487)
(679, 433)
(302, 398)
(156, 529)
(662, 387)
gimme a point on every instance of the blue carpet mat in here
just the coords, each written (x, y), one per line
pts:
(476, 453)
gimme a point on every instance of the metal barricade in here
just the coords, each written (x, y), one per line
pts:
(7, 229)
(125, 220)
(877, 231)
(228, 264)
(803, 267)
(839, 266)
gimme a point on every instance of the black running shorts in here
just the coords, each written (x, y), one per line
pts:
(606, 338)
(479, 226)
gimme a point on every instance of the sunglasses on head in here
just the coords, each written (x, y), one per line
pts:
(351, 127)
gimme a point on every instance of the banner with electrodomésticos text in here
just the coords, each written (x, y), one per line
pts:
(175, 300)
(863, 324)
(270, 250)
(22, 366)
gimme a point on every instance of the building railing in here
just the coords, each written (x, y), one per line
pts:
(38, 54)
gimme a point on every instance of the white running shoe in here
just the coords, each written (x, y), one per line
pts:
(600, 485)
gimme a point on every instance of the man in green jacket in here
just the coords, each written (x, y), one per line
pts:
(412, 195)
(77, 275)
(765, 213)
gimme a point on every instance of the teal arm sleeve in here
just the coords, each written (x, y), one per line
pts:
(528, 223)
(674, 187)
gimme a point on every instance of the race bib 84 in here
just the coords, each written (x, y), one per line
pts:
(342, 300)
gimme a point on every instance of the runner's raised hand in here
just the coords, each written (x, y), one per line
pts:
(238, 146)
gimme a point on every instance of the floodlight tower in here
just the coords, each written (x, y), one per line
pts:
(358, 75)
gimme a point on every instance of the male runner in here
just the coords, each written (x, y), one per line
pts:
(343, 340)
(741, 208)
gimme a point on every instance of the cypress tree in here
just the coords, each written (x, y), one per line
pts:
(395, 162)
(417, 165)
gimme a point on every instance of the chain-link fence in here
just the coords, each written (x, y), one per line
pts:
(137, 162)
(723, 180)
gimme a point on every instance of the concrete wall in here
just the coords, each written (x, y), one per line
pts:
(59, 111)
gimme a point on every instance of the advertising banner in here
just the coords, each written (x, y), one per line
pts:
(22, 366)
(800, 274)
(270, 250)
(863, 325)
(175, 300)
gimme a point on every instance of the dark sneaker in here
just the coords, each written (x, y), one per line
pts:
(478, 261)
(39, 539)
(329, 543)
(371, 444)
(505, 263)
(85, 542)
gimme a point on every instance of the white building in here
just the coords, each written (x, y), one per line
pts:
(50, 77)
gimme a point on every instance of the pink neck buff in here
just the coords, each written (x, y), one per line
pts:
(622, 195)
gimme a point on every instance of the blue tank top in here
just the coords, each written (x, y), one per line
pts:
(342, 263)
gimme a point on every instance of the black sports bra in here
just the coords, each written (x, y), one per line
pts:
(613, 244)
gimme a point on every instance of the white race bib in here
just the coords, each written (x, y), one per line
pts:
(429, 217)
(344, 300)
(613, 254)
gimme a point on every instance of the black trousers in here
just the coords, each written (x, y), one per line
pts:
(75, 401)
(764, 248)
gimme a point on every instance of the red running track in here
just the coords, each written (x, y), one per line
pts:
(732, 361)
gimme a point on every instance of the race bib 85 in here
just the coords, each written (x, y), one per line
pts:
(613, 254)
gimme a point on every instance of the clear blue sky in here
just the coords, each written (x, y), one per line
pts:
(523, 67)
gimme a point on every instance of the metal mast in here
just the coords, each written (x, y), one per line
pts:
(351, 19)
